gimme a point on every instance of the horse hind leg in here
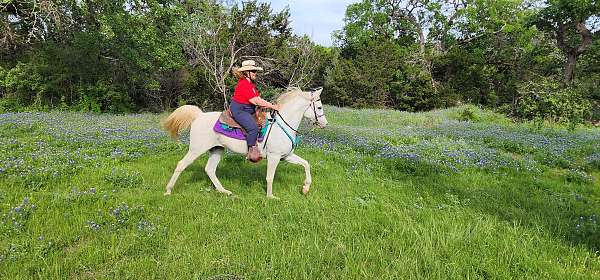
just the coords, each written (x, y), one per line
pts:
(214, 158)
(183, 163)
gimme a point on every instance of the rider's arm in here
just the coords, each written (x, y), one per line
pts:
(263, 103)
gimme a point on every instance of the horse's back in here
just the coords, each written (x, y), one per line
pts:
(201, 131)
(204, 135)
(208, 118)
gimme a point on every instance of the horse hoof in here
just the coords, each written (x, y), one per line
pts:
(226, 192)
(305, 190)
(167, 193)
(272, 197)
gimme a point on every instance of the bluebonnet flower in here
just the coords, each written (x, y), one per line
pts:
(460, 145)
(93, 225)
(18, 216)
(77, 140)
(90, 140)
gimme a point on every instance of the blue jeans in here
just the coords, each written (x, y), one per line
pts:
(244, 115)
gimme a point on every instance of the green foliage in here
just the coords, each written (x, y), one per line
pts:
(269, 93)
(216, 38)
(366, 21)
(565, 12)
(572, 24)
(412, 90)
(492, 50)
(377, 77)
(23, 83)
(102, 97)
(365, 80)
(122, 56)
(102, 60)
(547, 99)
(469, 114)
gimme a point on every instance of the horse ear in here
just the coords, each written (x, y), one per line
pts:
(317, 92)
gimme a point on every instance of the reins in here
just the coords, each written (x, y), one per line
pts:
(269, 124)
(294, 140)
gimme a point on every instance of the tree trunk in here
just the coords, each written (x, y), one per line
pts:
(573, 52)
(421, 40)
(570, 67)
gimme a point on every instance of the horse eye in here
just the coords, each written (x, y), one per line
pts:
(319, 108)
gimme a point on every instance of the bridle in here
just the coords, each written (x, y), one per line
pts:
(314, 106)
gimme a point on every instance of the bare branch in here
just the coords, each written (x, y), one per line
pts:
(304, 65)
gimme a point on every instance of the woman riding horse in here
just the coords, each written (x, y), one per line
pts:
(294, 105)
(243, 105)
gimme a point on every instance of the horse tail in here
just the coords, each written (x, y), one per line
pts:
(180, 119)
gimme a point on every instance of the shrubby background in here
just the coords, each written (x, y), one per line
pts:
(528, 59)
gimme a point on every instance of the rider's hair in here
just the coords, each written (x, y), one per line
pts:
(239, 74)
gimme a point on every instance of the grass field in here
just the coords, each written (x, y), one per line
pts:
(452, 194)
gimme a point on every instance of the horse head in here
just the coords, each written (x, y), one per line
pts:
(315, 111)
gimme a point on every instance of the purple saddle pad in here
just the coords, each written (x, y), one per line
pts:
(235, 133)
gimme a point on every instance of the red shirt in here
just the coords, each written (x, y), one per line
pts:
(244, 91)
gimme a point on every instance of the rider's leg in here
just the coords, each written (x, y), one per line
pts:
(246, 120)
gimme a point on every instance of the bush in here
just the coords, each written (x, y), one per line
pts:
(11, 105)
(468, 114)
(589, 85)
(362, 80)
(103, 97)
(21, 84)
(551, 101)
(411, 90)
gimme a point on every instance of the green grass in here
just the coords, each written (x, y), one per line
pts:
(365, 218)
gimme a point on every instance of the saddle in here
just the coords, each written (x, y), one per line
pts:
(226, 118)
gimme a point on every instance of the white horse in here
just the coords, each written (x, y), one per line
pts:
(280, 140)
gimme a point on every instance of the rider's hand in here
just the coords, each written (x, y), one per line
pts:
(275, 107)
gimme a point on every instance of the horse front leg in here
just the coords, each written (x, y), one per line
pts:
(272, 162)
(295, 159)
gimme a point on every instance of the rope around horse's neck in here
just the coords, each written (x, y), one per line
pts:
(288, 125)
(294, 143)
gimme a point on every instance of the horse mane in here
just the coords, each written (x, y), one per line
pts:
(288, 95)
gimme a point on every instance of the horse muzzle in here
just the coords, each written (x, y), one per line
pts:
(320, 124)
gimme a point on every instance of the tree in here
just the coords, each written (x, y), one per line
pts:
(211, 40)
(492, 51)
(23, 24)
(446, 15)
(365, 80)
(572, 24)
(106, 55)
(294, 65)
(217, 37)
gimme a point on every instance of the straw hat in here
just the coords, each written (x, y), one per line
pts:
(249, 65)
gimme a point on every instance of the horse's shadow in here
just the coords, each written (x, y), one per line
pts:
(241, 176)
